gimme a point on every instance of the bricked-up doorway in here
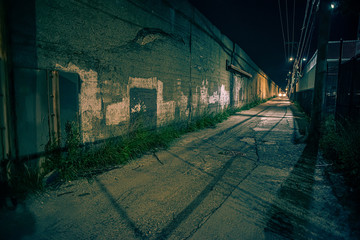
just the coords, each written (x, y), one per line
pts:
(143, 107)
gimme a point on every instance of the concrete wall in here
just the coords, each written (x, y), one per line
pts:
(159, 60)
(5, 143)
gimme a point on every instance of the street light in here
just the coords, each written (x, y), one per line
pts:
(291, 59)
(304, 59)
(334, 5)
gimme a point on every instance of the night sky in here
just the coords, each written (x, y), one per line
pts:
(255, 26)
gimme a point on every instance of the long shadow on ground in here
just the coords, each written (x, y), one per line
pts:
(288, 214)
(17, 223)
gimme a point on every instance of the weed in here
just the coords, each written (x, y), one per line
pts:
(340, 144)
(27, 180)
(65, 162)
(257, 101)
(74, 162)
(17, 180)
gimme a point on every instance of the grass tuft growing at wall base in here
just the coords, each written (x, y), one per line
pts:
(74, 162)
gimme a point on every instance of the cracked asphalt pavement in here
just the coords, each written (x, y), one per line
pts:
(248, 178)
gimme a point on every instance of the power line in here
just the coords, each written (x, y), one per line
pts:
(307, 18)
(293, 30)
(307, 28)
(303, 26)
(309, 42)
(287, 26)
(312, 27)
(282, 29)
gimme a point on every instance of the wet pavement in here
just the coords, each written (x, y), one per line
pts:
(248, 178)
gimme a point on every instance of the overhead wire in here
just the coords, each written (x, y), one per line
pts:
(296, 60)
(293, 31)
(310, 17)
(282, 30)
(302, 28)
(287, 26)
(307, 49)
(312, 27)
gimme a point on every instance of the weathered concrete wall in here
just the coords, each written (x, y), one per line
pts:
(6, 145)
(160, 60)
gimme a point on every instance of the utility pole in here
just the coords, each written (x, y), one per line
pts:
(321, 71)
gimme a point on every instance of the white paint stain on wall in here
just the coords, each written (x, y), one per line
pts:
(238, 91)
(214, 98)
(120, 112)
(222, 97)
(140, 106)
(204, 93)
(115, 112)
(182, 102)
(90, 104)
(147, 83)
(165, 110)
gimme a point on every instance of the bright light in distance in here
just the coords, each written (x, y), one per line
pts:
(304, 59)
(332, 5)
(281, 94)
(291, 59)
